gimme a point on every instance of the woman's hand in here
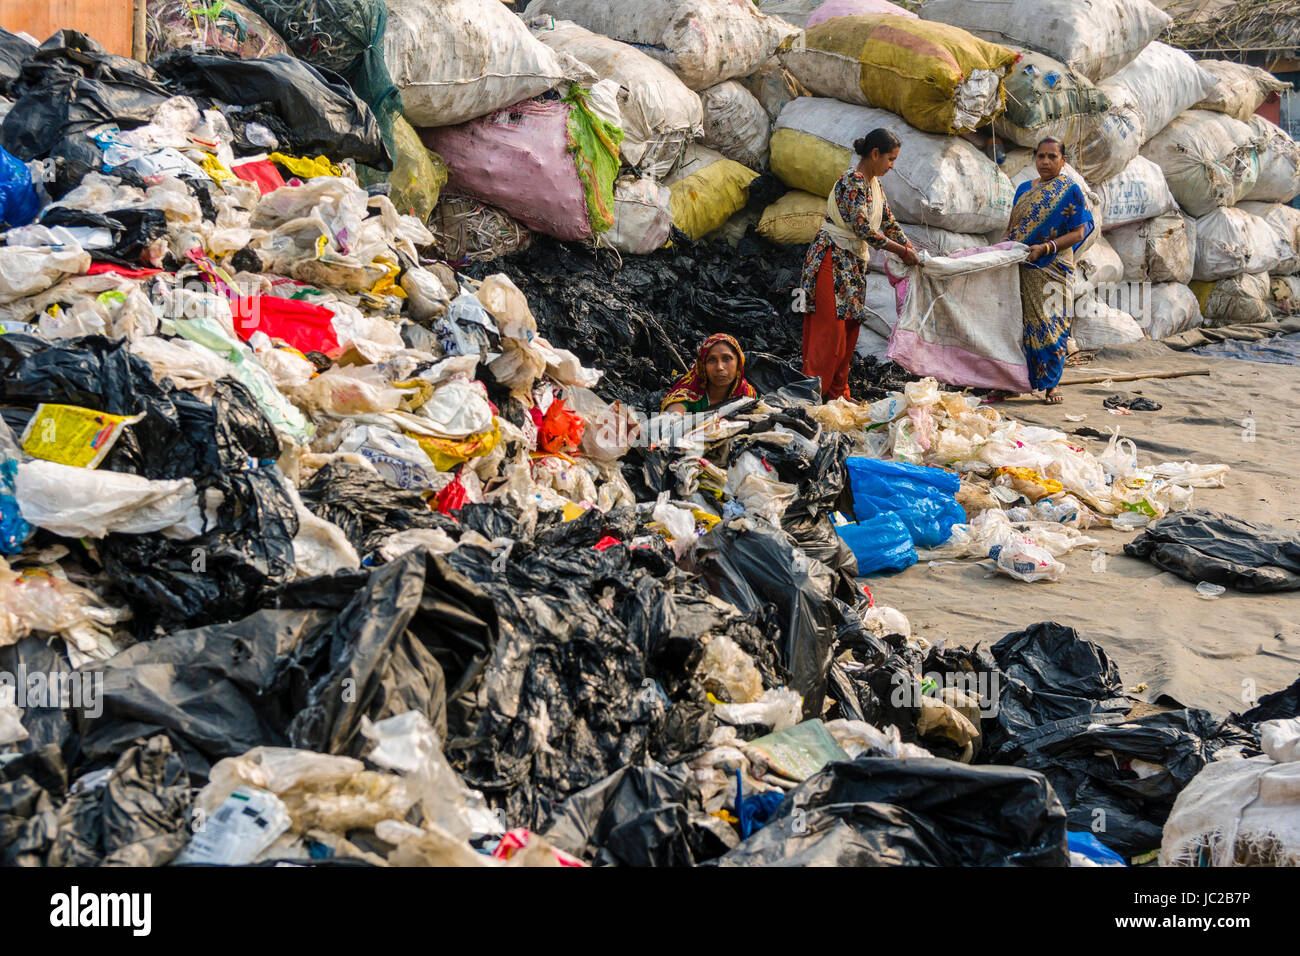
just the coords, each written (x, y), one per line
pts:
(1037, 251)
(909, 256)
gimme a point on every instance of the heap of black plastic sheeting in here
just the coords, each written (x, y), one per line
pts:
(71, 86)
(1055, 705)
(642, 318)
(226, 446)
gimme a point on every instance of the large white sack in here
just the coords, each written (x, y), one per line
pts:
(1209, 159)
(1139, 192)
(1163, 82)
(1242, 89)
(642, 217)
(1104, 147)
(1285, 222)
(1230, 241)
(1099, 265)
(940, 181)
(735, 124)
(1155, 250)
(1279, 164)
(961, 320)
(880, 303)
(703, 41)
(1172, 308)
(661, 115)
(1091, 197)
(454, 60)
(1094, 37)
(806, 13)
(1238, 300)
(1095, 324)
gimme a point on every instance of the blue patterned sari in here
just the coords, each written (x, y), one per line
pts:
(1043, 211)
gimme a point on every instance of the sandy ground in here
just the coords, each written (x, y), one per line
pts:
(1218, 654)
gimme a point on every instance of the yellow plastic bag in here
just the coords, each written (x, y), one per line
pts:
(1030, 483)
(304, 167)
(707, 191)
(447, 453)
(418, 173)
(938, 77)
(72, 435)
(793, 219)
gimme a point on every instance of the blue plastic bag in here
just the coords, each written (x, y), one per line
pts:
(19, 202)
(14, 529)
(1087, 845)
(882, 543)
(922, 497)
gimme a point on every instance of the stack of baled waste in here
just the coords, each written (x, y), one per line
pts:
(695, 85)
(1192, 184)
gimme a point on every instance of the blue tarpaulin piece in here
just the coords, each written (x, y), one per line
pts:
(1278, 350)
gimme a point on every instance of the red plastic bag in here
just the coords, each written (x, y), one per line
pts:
(451, 497)
(561, 429)
(306, 327)
(261, 173)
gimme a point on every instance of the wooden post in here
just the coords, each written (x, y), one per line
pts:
(138, 32)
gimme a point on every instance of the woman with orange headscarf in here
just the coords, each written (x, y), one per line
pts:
(718, 375)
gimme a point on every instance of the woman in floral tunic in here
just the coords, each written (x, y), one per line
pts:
(857, 220)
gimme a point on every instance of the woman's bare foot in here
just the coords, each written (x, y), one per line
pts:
(1053, 397)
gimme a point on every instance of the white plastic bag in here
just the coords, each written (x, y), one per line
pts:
(27, 270)
(85, 503)
(678, 522)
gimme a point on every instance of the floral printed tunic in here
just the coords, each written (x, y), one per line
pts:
(852, 194)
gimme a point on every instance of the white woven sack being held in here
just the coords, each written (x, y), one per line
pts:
(661, 115)
(1209, 159)
(703, 41)
(1279, 164)
(1285, 222)
(454, 60)
(1139, 192)
(735, 124)
(935, 241)
(940, 181)
(1094, 37)
(1231, 241)
(1163, 82)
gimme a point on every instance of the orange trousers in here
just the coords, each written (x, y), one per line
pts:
(828, 343)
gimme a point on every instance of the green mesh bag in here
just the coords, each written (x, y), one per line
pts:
(595, 147)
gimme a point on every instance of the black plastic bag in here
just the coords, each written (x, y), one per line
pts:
(139, 817)
(640, 816)
(45, 726)
(1049, 674)
(318, 108)
(13, 51)
(1280, 705)
(367, 508)
(878, 811)
(133, 230)
(759, 567)
(70, 86)
(1221, 549)
(31, 788)
(1119, 778)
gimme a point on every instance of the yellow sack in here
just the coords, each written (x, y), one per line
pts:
(417, 177)
(447, 453)
(794, 218)
(304, 167)
(707, 191)
(939, 78)
(1201, 290)
(72, 435)
(807, 162)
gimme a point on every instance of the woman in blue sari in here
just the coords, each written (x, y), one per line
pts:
(1050, 217)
